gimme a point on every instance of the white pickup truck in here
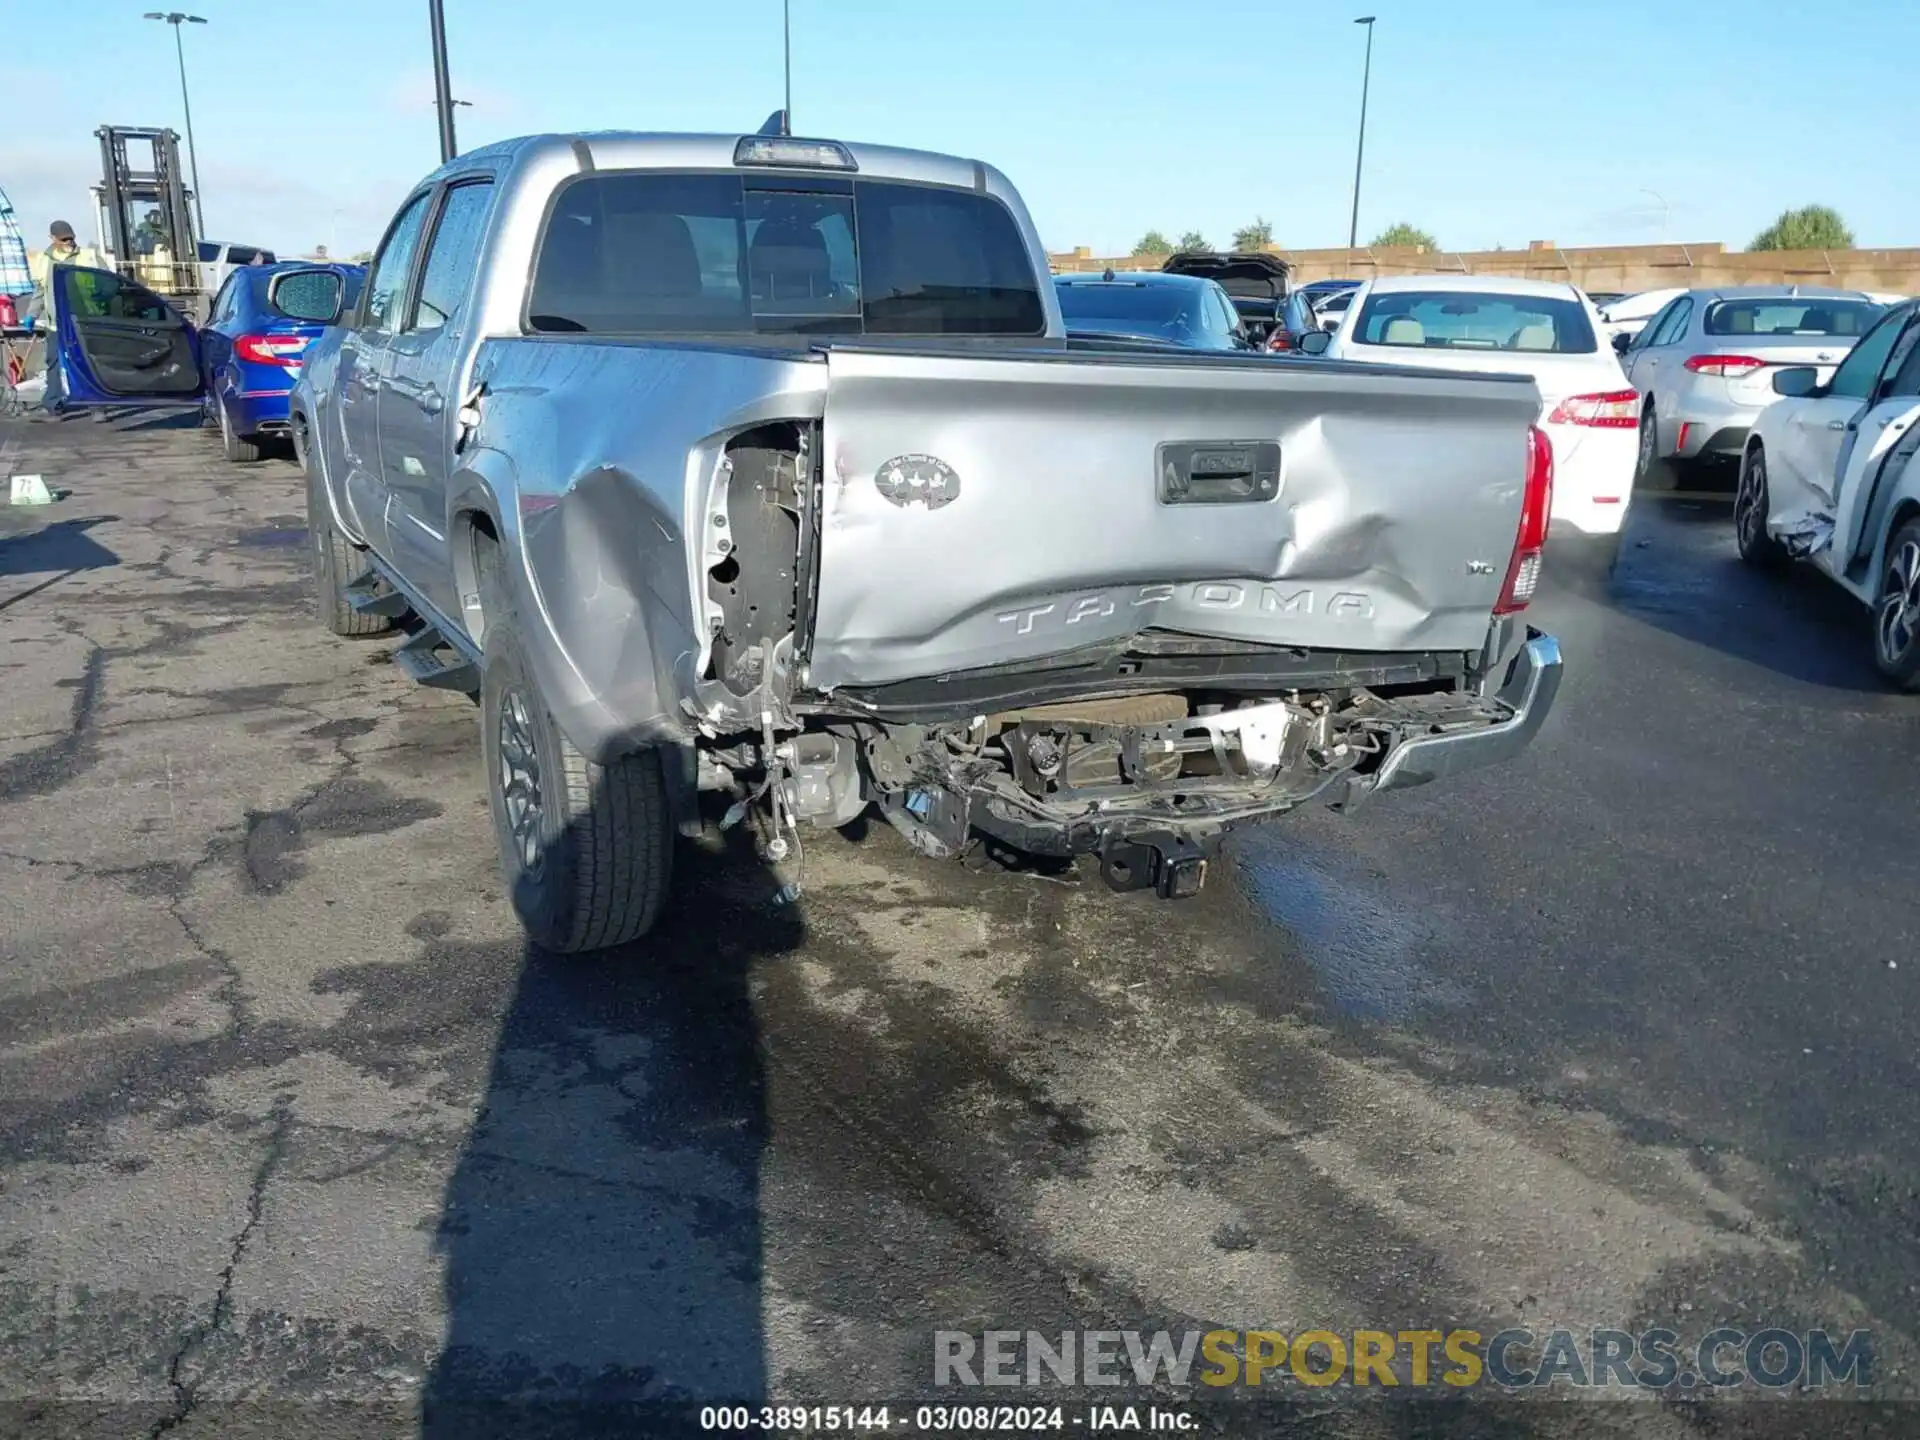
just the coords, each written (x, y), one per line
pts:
(763, 466)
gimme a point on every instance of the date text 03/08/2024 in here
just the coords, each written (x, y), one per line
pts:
(937, 1419)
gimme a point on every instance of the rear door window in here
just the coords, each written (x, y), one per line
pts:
(451, 255)
(676, 254)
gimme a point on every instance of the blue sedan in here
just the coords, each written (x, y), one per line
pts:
(259, 326)
(123, 347)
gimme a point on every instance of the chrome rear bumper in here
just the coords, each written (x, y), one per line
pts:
(1533, 679)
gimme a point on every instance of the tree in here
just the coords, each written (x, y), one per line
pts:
(1194, 240)
(1811, 227)
(1257, 236)
(1152, 243)
(1404, 234)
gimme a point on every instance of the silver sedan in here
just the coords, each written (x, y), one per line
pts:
(1704, 365)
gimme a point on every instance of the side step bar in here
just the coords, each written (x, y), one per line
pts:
(433, 654)
(428, 658)
(371, 595)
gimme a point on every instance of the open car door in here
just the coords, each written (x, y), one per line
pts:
(121, 344)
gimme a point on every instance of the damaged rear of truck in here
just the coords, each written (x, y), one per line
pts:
(776, 477)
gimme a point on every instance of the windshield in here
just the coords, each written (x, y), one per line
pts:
(662, 253)
(1476, 320)
(1788, 316)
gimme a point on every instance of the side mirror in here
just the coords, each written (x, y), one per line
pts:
(1796, 381)
(1315, 342)
(1622, 343)
(314, 295)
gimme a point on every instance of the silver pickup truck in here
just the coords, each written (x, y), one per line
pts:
(762, 466)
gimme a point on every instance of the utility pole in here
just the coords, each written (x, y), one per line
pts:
(176, 19)
(1360, 153)
(442, 88)
(786, 56)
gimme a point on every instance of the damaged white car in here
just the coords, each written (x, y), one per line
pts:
(763, 466)
(1827, 476)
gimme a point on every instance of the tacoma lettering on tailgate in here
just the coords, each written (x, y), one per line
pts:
(1205, 595)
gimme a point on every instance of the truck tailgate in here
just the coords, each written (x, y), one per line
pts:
(984, 510)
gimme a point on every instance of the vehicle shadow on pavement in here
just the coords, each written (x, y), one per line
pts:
(601, 1233)
(60, 548)
(1678, 570)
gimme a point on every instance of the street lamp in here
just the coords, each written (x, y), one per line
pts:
(176, 19)
(1665, 211)
(1359, 154)
(442, 87)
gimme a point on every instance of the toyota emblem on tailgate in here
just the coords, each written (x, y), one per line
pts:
(924, 479)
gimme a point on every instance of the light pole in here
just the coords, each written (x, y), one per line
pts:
(1360, 152)
(442, 87)
(176, 19)
(786, 61)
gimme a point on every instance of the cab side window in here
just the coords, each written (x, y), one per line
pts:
(387, 285)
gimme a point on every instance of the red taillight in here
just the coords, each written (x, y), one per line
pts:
(1614, 410)
(270, 349)
(1279, 340)
(1730, 367)
(1536, 507)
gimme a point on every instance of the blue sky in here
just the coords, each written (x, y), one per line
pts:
(1491, 122)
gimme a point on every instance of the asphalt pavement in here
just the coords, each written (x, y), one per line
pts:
(296, 1137)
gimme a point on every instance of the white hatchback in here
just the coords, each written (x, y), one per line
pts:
(1545, 330)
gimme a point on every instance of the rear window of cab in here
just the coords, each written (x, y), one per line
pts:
(660, 253)
(1475, 320)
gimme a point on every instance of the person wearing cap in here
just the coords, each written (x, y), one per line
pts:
(62, 249)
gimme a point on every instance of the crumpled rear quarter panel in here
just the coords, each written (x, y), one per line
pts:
(613, 444)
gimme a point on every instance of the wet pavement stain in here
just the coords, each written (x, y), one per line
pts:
(45, 768)
(273, 537)
(1368, 954)
(350, 805)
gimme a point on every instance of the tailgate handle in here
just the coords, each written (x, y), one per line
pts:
(1218, 472)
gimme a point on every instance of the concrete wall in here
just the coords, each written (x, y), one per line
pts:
(1613, 267)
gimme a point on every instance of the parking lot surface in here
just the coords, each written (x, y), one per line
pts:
(1620, 1035)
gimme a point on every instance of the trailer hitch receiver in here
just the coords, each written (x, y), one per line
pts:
(1171, 865)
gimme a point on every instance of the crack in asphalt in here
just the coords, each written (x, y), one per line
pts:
(185, 1391)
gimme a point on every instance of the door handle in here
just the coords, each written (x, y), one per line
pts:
(1836, 424)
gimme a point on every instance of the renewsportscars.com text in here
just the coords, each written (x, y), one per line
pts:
(1513, 1359)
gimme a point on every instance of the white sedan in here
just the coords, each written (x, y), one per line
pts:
(1629, 314)
(1542, 329)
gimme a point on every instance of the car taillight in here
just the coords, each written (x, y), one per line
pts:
(1279, 340)
(1614, 410)
(1536, 507)
(270, 349)
(1730, 367)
